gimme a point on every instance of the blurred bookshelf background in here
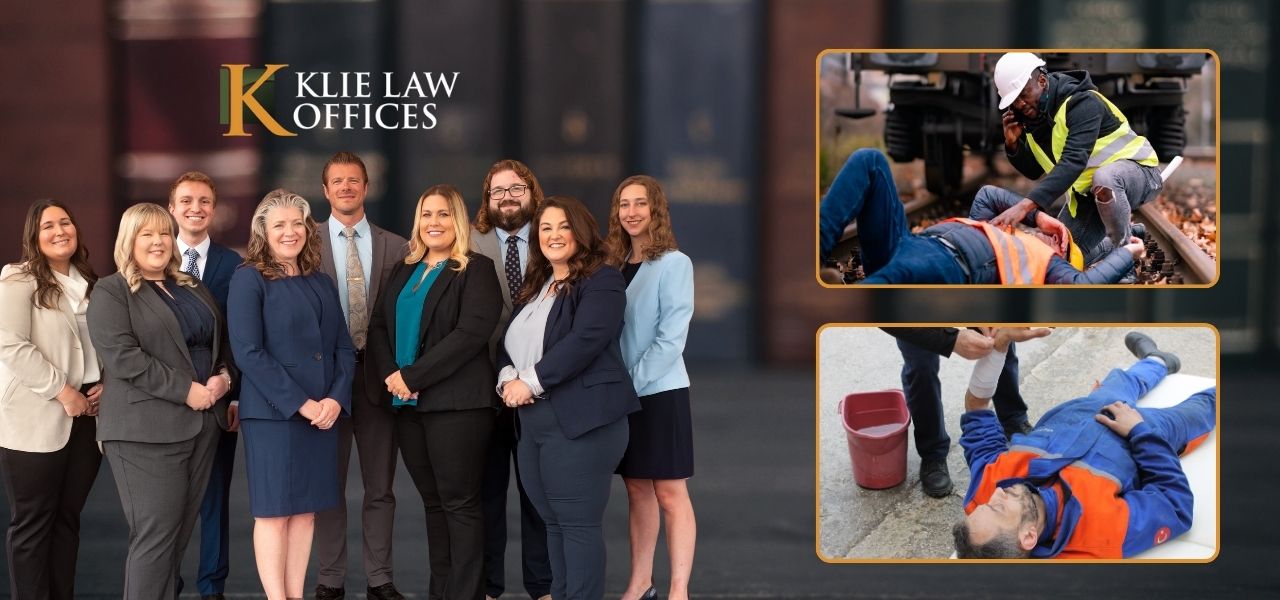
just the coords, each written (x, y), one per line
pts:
(109, 101)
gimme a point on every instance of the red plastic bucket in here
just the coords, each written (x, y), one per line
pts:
(875, 424)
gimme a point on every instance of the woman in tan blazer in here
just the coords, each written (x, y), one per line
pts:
(49, 392)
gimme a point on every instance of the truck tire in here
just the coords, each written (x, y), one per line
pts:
(902, 137)
(943, 164)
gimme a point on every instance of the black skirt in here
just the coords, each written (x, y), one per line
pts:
(661, 445)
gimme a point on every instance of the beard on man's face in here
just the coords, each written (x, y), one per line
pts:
(511, 220)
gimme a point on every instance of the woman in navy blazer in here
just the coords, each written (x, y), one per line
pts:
(659, 456)
(429, 341)
(562, 366)
(287, 327)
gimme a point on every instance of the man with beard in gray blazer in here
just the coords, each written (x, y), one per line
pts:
(511, 195)
(359, 256)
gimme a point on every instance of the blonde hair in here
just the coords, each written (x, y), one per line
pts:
(134, 219)
(461, 227)
(258, 253)
(661, 237)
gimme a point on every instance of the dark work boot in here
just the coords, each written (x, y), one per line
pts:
(934, 477)
(1142, 346)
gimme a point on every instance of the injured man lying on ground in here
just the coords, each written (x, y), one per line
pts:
(1098, 477)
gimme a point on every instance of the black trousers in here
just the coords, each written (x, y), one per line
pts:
(533, 532)
(46, 491)
(444, 453)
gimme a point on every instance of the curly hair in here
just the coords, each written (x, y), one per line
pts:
(135, 219)
(461, 227)
(661, 238)
(258, 253)
(36, 264)
(588, 257)
(484, 222)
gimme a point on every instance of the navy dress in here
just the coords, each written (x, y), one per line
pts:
(292, 333)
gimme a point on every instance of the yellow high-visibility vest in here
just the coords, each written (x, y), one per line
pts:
(1120, 144)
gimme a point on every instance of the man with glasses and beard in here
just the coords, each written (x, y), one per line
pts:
(1097, 478)
(510, 196)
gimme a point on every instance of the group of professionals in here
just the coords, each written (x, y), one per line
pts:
(526, 334)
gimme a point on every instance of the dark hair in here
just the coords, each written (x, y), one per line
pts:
(661, 238)
(342, 158)
(197, 177)
(259, 252)
(1002, 545)
(36, 264)
(482, 222)
(588, 257)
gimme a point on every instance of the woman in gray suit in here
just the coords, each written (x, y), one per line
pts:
(48, 458)
(167, 365)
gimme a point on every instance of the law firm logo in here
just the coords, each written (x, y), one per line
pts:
(243, 93)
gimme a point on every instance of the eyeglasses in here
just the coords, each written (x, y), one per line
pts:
(516, 191)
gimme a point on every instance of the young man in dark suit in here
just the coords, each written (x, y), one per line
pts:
(193, 202)
(359, 256)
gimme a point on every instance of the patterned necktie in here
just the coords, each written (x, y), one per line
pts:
(357, 301)
(512, 264)
(193, 268)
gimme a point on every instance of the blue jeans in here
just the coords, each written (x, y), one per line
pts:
(864, 191)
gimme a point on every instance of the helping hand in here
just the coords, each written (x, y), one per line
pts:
(972, 345)
(1014, 214)
(1007, 335)
(1055, 228)
(1137, 248)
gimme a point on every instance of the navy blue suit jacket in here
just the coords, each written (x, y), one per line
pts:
(218, 268)
(581, 371)
(294, 355)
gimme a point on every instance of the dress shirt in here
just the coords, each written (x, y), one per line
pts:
(364, 247)
(202, 249)
(524, 341)
(74, 289)
(522, 245)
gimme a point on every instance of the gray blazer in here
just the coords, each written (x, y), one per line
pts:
(147, 370)
(388, 249)
(487, 244)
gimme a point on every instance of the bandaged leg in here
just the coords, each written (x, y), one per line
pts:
(986, 374)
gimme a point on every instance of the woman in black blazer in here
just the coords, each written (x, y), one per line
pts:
(429, 340)
(562, 365)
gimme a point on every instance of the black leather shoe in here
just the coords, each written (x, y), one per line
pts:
(324, 592)
(386, 591)
(934, 478)
(1142, 346)
(1023, 428)
(650, 594)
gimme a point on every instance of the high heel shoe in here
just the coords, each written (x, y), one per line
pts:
(650, 594)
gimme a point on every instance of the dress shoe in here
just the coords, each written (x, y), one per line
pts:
(1142, 346)
(1023, 428)
(934, 477)
(386, 591)
(324, 592)
(650, 594)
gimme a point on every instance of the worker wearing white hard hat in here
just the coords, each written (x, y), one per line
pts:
(1060, 130)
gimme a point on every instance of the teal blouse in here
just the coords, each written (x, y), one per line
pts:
(409, 305)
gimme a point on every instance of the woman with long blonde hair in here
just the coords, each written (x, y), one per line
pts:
(429, 341)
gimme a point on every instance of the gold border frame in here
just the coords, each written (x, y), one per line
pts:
(817, 180)
(817, 451)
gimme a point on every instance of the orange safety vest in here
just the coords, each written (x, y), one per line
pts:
(1021, 258)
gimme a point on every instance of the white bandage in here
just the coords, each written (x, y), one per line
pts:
(986, 373)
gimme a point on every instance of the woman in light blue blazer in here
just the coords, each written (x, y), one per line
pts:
(659, 456)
